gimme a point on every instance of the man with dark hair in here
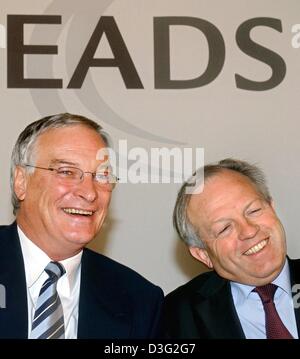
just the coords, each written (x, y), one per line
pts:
(55, 288)
(232, 227)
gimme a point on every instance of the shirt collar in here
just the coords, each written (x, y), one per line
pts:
(35, 261)
(282, 281)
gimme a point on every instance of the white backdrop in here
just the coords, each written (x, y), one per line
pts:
(259, 126)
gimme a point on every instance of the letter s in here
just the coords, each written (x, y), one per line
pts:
(260, 53)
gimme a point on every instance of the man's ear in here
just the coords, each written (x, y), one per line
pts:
(20, 183)
(201, 255)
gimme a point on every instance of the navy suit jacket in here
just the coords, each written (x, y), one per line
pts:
(204, 308)
(115, 302)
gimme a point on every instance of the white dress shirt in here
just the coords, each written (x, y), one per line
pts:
(68, 285)
(251, 312)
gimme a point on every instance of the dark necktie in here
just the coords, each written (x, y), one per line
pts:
(48, 321)
(275, 329)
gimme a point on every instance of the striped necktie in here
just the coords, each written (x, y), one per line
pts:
(48, 321)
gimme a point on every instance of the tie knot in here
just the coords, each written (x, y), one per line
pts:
(55, 270)
(266, 292)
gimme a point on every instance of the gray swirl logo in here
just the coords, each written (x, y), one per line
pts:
(77, 19)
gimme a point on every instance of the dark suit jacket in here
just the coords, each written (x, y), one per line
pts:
(204, 308)
(115, 301)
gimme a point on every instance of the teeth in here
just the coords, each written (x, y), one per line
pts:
(77, 211)
(258, 247)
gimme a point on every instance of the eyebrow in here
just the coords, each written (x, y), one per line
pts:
(250, 204)
(222, 219)
(63, 162)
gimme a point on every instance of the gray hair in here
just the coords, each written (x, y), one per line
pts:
(186, 230)
(24, 148)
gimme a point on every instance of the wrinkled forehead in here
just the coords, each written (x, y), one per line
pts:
(74, 141)
(222, 189)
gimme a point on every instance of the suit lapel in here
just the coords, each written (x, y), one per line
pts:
(215, 309)
(104, 312)
(14, 317)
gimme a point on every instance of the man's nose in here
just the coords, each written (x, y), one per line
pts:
(247, 229)
(87, 188)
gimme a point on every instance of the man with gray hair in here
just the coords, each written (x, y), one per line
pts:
(231, 226)
(55, 287)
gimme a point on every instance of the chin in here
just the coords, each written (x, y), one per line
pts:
(270, 272)
(80, 238)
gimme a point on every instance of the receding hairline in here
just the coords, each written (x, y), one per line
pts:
(72, 125)
(219, 172)
(49, 130)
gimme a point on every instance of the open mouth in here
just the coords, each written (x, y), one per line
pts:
(257, 248)
(81, 212)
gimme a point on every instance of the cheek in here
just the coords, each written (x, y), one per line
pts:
(218, 248)
(103, 204)
(52, 196)
(226, 250)
(271, 224)
(104, 199)
(58, 192)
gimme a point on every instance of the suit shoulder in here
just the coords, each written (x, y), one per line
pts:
(179, 319)
(293, 261)
(7, 232)
(117, 271)
(4, 229)
(187, 290)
